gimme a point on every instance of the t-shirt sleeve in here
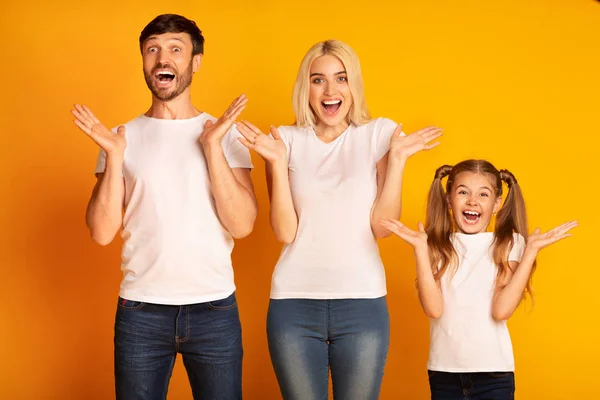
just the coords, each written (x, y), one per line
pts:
(236, 154)
(382, 135)
(516, 253)
(283, 134)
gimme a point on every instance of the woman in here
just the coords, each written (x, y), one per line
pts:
(331, 177)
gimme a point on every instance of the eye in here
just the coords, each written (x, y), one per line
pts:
(176, 49)
(318, 80)
(152, 49)
(462, 192)
(485, 195)
(342, 79)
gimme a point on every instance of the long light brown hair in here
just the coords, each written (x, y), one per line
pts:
(511, 218)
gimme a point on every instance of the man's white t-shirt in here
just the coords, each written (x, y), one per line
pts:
(175, 249)
(333, 186)
(466, 338)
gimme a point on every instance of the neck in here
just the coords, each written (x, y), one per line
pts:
(330, 132)
(180, 107)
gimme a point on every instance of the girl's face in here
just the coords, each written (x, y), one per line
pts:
(329, 95)
(473, 201)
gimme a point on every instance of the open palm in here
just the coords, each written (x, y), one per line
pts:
(404, 146)
(538, 240)
(108, 141)
(271, 149)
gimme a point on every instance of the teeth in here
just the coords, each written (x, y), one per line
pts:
(472, 213)
(329, 102)
(165, 73)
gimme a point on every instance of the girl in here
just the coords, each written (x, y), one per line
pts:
(331, 177)
(470, 281)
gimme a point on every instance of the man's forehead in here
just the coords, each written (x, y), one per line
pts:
(164, 37)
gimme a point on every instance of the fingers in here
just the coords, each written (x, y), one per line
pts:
(398, 130)
(90, 114)
(566, 226)
(121, 130)
(246, 143)
(249, 135)
(390, 226)
(83, 127)
(252, 127)
(208, 124)
(87, 121)
(236, 112)
(421, 227)
(431, 146)
(236, 108)
(431, 134)
(275, 133)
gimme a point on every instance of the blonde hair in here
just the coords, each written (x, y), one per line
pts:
(439, 225)
(305, 116)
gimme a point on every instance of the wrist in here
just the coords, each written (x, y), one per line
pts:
(115, 159)
(421, 249)
(279, 163)
(533, 251)
(398, 159)
(212, 147)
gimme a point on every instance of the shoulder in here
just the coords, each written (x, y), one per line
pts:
(380, 124)
(135, 124)
(518, 240)
(289, 132)
(378, 128)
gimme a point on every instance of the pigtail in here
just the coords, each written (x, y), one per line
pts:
(438, 225)
(512, 217)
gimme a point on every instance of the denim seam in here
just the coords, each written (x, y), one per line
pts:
(168, 377)
(187, 326)
(328, 333)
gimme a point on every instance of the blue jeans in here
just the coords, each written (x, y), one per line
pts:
(149, 336)
(472, 385)
(308, 337)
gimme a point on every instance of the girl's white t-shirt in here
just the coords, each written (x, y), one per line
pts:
(333, 186)
(466, 338)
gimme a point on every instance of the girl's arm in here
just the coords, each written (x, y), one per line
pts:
(511, 286)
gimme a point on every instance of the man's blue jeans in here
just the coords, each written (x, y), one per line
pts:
(149, 336)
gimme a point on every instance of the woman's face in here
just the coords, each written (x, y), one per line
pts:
(329, 96)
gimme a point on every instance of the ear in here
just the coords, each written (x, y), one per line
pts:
(498, 204)
(448, 202)
(196, 60)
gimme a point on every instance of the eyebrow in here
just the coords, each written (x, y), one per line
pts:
(482, 187)
(151, 38)
(321, 74)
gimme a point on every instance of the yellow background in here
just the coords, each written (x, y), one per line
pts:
(516, 82)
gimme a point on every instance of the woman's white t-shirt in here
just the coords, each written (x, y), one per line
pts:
(466, 338)
(333, 186)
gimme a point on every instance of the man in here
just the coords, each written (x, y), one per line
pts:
(183, 181)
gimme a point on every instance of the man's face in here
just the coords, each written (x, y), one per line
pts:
(168, 64)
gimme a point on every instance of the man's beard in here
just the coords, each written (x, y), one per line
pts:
(183, 81)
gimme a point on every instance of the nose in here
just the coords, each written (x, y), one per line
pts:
(472, 200)
(330, 89)
(163, 57)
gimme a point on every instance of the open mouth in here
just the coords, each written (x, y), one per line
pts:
(164, 76)
(331, 107)
(471, 216)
